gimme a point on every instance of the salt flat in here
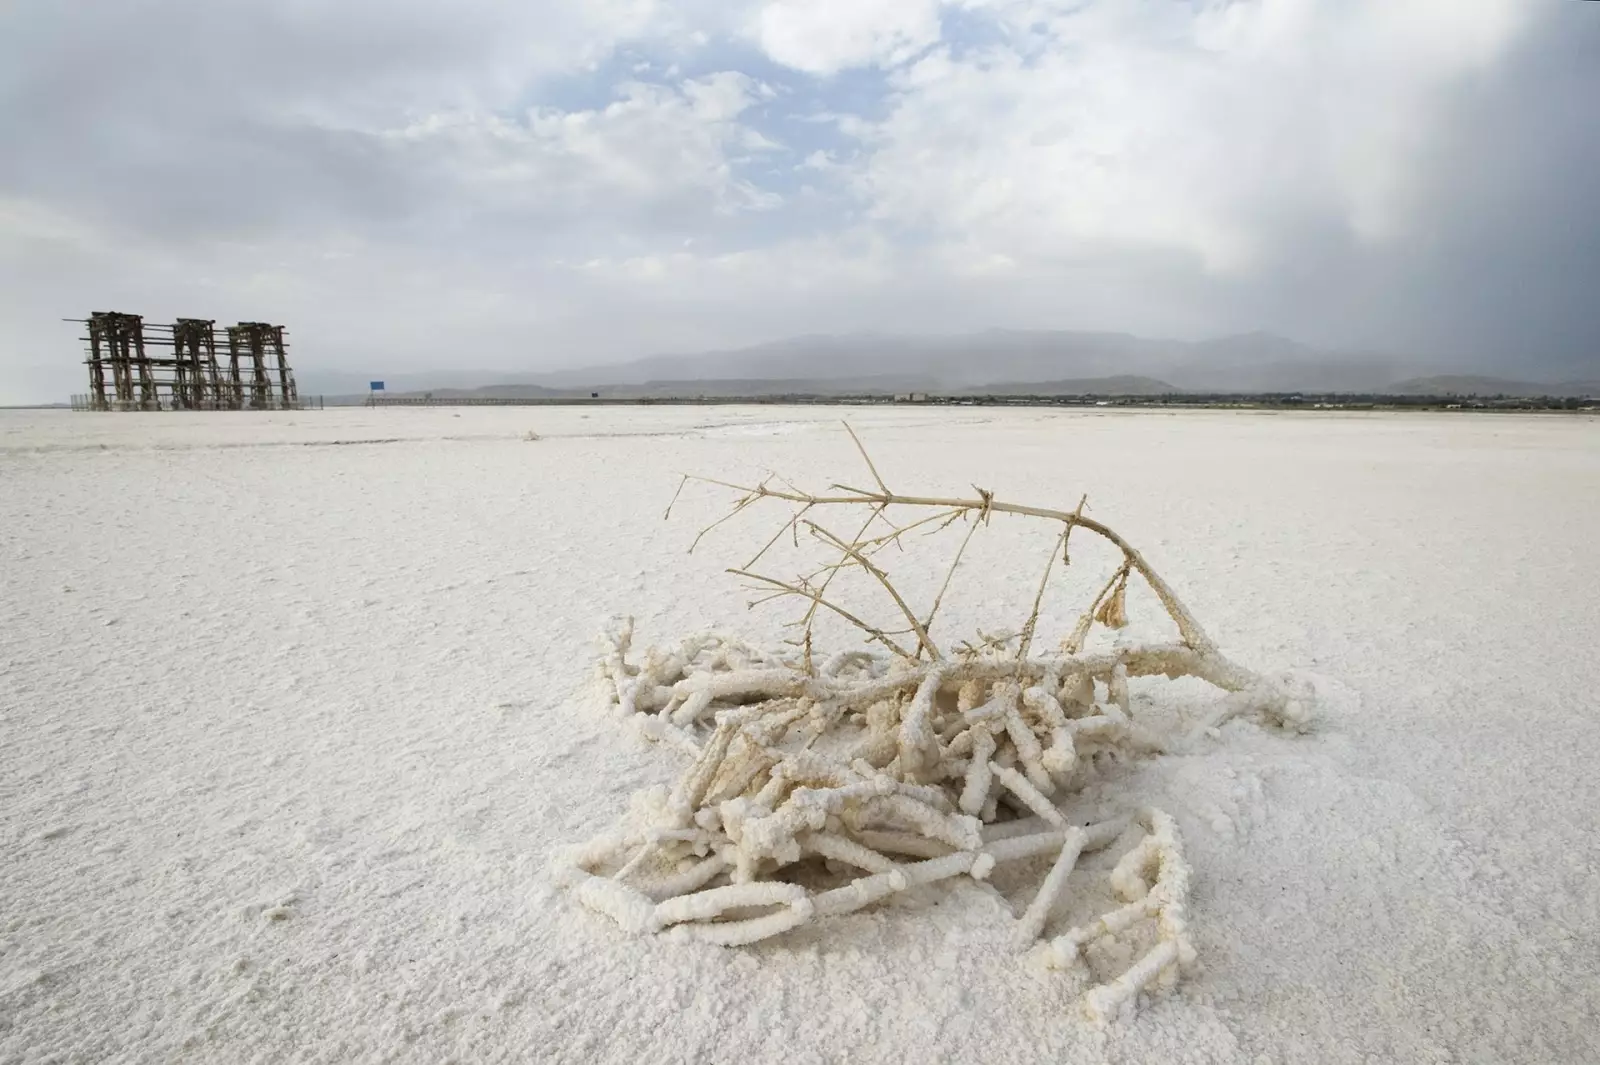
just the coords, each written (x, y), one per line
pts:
(291, 719)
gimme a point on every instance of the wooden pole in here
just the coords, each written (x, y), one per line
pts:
(97, 366)
(236, 386)
(287, 392)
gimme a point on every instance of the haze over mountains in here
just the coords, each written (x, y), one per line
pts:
(996, 361)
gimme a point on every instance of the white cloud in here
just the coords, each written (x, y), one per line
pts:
(655, 147)
(1153, 165)
(1195, 129)
(827, 36)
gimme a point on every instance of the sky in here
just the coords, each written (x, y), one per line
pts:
(524, 185)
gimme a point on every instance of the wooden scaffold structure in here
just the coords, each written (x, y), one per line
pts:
(134, 366)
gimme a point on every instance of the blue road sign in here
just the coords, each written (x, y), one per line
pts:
(377, 386)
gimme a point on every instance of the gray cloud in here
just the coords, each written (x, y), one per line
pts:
(1422, 185)
(1500, 246)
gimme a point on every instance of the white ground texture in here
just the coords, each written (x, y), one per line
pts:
(294, 713)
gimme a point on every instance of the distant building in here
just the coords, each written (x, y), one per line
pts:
(911, 397)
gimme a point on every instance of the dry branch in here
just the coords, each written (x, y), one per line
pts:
(817, 789)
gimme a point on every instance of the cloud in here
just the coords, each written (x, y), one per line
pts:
(186, 115)
(1209, 131)
(827, 36)
(545, 184)
(658, 159)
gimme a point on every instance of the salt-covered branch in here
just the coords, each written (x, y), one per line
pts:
(821, 785)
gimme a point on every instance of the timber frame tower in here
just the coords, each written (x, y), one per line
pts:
(135, 366)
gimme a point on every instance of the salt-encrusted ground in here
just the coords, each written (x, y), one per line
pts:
(287, 734)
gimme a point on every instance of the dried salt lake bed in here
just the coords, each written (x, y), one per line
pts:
(293, 713)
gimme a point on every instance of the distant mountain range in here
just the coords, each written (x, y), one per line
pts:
(997, 361)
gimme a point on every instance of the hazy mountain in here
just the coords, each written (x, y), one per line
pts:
(884, 384)
(942, 362)
(502, 391)
(710, 388)
(1249, 362)
(1001, 360)
(1124, 385)
(871, 385)
(314, 382)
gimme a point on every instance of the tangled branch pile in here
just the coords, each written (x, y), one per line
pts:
(820, 786)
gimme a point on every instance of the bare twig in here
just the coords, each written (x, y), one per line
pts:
(787, 527)
(817, 600)
(1077, 516)
(1038, 598)
(674, 501)
(737, 507)
(923, 641)
(811, 613)
(870, 464)
(950, 573)
(945, 517)
(1074, 643)
(1188, 627)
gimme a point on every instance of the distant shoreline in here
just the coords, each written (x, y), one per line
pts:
(1221, 401)
(1179, 401)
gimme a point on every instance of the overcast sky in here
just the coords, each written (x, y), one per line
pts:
(523, 184)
